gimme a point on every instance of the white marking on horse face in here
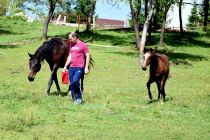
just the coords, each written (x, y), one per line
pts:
(146, 56)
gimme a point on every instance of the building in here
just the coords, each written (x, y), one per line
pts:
(173, 15)
(109, 23)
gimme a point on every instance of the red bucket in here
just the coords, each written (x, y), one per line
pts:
(65, 77)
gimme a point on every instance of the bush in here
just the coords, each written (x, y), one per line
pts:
(3, 7)
(19, 16)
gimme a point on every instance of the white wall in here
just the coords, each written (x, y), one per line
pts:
(173, 15)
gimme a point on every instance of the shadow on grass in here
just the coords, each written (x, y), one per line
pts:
(127, 38)
(8, 46)
(55, 93)
(103, 36)
(3, 31)
(167, 99)
(175, 57)
(189, 39)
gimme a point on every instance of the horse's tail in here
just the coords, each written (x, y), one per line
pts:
(92, 63)
(89, 39)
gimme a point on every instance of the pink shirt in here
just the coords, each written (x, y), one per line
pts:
(78, 52)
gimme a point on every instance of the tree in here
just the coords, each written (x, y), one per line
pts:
(20, 5)
(135, 7)
(47, 5)
(3, 7)
(145, 15)
(180, 17)
(86, 9)
(158, 15)
(206, 13)
(15, 6)
(166, 6)
(52, 4)
(144, 33)
(194, 17)
(145, 9)
(90, 14)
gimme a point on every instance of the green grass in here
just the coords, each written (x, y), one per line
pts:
(116, 101)
(15, 31)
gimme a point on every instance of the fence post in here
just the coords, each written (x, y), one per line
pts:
(64, 20)
(58, 19)
(94, 22)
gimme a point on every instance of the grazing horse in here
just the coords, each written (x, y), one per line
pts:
(159, 71)
(55, 52)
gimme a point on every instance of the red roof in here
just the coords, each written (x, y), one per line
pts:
(109, 22)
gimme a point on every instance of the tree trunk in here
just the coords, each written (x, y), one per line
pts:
(146, 9)
(163, 30)
(136, 27)
(135, 15)
(47, 20)
(150, 25)
(90, 16)
(206, 8)
(150, 31)
(78, 22)
(180, 17)
(88, 23)
(157, 9)
(144, 32)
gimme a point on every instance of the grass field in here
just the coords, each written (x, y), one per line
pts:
(116, 101)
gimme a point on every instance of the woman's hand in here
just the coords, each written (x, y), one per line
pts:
(64, 69)
(86, 70)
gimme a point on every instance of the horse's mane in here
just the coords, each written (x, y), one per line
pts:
(45, 51)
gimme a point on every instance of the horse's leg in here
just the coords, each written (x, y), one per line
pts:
(162, 89)
(50, 81)
(158, 86)
(148, 87)
(55, 78)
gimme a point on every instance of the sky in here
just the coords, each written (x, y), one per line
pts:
(121, 12)
(106, 10)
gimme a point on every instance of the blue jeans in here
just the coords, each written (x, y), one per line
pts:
(75, 74)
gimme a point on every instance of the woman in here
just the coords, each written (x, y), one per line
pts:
(79, 59)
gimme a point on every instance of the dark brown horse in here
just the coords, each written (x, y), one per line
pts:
(159, 71)
(55, 52)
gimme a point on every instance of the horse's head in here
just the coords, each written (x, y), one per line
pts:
(147, 58)
(34, 65)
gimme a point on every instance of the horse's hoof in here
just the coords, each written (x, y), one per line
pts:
(144, 68)
(149, 102)
(59, 93)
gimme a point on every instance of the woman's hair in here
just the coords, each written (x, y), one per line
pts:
(73, 34)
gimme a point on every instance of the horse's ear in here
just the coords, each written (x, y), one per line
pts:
(145, 50)
(30, 55)
(151, 50)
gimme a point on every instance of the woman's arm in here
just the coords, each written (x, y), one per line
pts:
(67, 62)
(87, 63)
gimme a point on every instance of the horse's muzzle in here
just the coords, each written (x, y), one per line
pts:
(31, 79)
(144, 68)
